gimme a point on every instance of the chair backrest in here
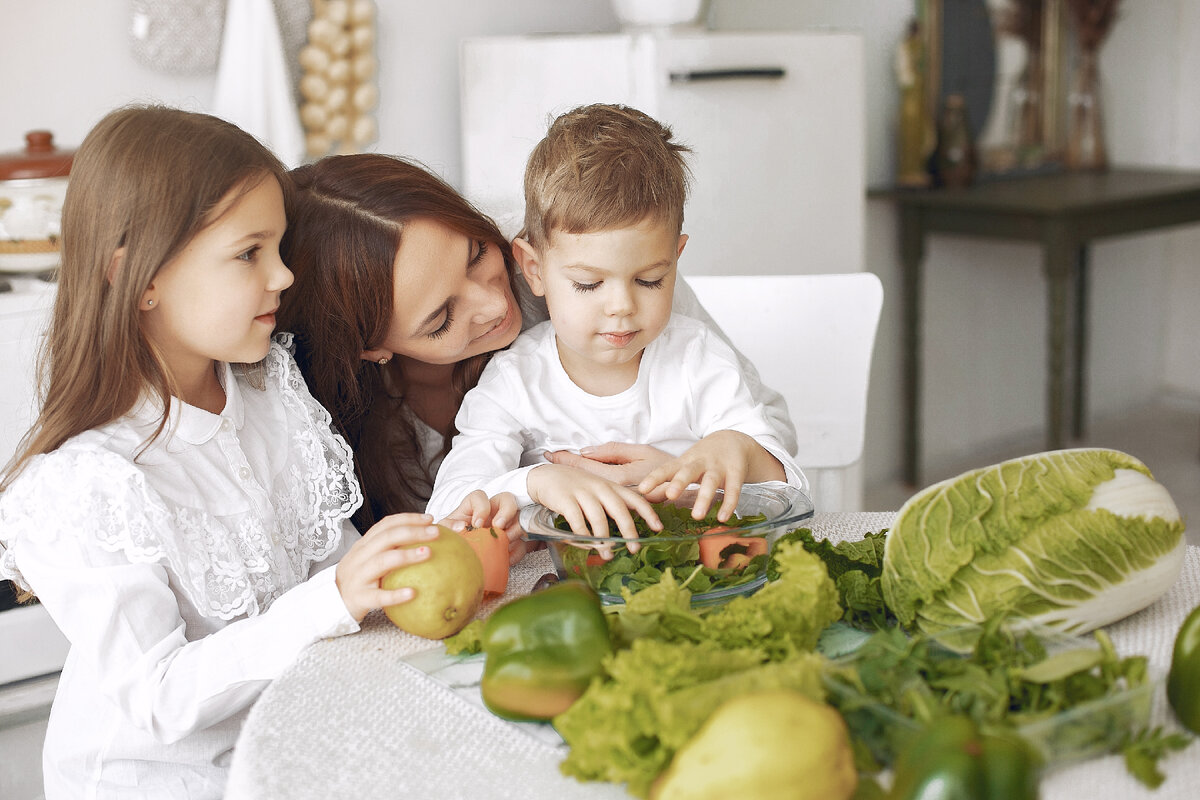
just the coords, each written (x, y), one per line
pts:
(811, 338)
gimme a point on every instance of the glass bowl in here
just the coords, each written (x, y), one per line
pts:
(780, 506)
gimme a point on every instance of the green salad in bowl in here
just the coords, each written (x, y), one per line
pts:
(717, 560)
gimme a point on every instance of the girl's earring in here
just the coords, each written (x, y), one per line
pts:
(149, 303)
(383, 361)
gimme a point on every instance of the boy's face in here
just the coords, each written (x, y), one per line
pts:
(609, 295)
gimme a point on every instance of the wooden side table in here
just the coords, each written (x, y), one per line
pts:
(1063, 212)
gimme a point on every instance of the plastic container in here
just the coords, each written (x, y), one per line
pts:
(783, 506)
(1084, 731)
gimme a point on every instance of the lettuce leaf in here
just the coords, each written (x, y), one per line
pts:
(628, 728)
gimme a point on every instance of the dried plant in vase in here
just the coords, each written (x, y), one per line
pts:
(1092, 21)
(1022, 19)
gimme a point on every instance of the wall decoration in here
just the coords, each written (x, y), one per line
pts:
(1006, 58)
(338, 82)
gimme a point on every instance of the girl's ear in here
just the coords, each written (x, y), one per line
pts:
(114, 266)
(527, 259)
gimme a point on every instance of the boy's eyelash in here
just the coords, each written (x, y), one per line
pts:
(587, 287)
(445, 326)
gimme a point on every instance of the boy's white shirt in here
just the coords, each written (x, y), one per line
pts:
(186, 578)
(689, 385)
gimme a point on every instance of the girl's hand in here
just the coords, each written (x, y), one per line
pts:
(381, 550)
(587, 502)
(722, 460)
(477, 510)
(619, 462)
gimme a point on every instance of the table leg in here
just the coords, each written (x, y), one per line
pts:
(912, 253)
(1079, 406)
(1059, 262)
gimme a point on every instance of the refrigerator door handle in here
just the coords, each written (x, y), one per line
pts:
(733, 73)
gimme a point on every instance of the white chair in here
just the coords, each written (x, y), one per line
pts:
(811, 339)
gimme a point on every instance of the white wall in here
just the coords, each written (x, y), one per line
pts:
(985, 328)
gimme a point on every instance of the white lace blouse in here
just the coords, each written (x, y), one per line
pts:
(186, 576)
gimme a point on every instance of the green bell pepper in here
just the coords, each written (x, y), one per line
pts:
(542, 651)
(1183, 681)
(950, 759)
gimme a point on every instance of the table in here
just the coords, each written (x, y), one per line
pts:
(1063, 212)
(350, 719)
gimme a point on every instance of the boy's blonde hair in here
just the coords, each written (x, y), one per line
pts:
(144, 182)
(601, 167)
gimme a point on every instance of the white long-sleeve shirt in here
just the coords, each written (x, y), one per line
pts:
(689, 385)
(186, 577)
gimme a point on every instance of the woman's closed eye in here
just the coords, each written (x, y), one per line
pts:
(446, 323)
(479, 254)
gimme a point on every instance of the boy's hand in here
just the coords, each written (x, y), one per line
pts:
(477, 510)
(722, 460)
(619, 462)
(587, 502)
(376, 554)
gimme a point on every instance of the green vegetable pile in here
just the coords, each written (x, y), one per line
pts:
(933, 625)
(659, 552)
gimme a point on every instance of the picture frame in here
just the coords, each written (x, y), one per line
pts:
(1007, 58)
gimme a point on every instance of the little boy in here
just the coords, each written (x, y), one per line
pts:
(604, 197)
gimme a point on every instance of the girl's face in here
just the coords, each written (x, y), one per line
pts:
(216, 300)
(609, 294)
(451, 296)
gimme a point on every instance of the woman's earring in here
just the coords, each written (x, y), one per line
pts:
(149, 303)
(383, 361)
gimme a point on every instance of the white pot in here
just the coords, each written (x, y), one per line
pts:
(30, 223)
(33, 185)
(658, 13)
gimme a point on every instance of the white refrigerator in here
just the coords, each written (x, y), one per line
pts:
(776, 122)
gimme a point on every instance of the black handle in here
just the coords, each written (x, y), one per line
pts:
(756, 73)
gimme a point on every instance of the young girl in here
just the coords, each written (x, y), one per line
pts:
(181, 503)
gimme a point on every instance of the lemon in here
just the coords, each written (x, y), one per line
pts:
(769, 745)
(448, 588)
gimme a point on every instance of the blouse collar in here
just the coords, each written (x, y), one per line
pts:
(192, 424)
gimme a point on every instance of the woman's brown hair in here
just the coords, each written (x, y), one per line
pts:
(346, 221)
(143, 183)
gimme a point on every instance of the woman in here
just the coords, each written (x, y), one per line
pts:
(402, 291)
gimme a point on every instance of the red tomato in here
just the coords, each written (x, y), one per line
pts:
(492, 548)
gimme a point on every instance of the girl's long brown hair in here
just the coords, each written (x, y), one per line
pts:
(144, 182)
(346, 221)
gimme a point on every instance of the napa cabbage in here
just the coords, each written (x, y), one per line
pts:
(1069, 539)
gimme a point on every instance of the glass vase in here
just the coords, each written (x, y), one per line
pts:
(1086, 148)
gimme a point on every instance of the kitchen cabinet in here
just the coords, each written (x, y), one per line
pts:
(776, 123)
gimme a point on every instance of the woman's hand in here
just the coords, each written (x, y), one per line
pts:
(587, 502)
(619, 462)
(381, 550)
(477, 510)
(722, 460)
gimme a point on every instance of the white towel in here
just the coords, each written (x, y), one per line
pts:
(254, 88)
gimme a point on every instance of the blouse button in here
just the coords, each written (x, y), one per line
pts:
(226, 425)
(244, 473)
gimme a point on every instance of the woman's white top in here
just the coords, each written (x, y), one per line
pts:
(689, 385)
(186, 575)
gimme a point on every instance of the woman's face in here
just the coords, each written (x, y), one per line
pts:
(451, 296)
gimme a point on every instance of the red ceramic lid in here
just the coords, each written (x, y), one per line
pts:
(39, 159)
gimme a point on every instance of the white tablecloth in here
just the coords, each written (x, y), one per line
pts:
(351, 719)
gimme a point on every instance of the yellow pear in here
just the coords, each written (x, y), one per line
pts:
(448, 588)
(769, 745)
